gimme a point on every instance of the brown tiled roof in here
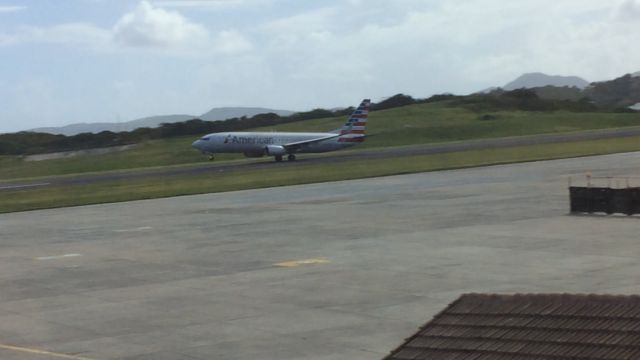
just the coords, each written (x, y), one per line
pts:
(529, 326)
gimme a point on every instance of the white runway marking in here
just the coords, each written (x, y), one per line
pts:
(42, 352)
(296, 263)
(8, 187)
(142, 228)
(57, 256)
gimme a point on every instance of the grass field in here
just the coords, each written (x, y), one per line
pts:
(280, 176)
(415, 124)
(410, 125)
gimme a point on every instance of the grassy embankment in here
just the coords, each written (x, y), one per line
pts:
(280, 176)
(418, 124)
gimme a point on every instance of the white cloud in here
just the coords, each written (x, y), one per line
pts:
(11, 8)
(73, 33)
(6, 39)
(451, 45)
(147, 26)
(232, 42)
(629, 10)
(333, 53)
(201, 4)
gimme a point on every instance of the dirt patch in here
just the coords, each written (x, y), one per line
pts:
(72, 154)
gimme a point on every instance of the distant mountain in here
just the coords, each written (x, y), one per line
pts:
(536, 80)
(224, 113)
(155, 121)
(617, 94)
(78, 128)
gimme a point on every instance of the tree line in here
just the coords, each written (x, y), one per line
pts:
(521, 99)
(27, 142)
(24, 143)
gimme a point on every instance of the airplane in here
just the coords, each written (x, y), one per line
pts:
(279, 144)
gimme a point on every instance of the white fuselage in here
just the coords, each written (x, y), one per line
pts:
(279, 144)
(255, 143)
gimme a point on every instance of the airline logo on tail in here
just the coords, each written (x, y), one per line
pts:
(353, 129)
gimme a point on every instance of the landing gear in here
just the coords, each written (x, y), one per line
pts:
(290, 157)
(211, 157)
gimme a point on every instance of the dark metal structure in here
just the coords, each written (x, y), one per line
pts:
(528, 327)
(605, 200)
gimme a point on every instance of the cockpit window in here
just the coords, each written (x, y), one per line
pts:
(205, 138)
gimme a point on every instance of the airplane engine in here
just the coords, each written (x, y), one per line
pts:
(275, 150)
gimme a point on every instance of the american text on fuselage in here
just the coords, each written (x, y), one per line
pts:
(248, 140)
(278, 144)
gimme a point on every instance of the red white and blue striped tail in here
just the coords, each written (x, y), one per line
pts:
(353, 129)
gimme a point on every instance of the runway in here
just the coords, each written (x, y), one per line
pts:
(342, 270)
(340, 156)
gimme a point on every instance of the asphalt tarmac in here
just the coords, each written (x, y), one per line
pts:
(342, 270)
(339, 156)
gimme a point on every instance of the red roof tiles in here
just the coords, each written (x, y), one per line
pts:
(529, 326)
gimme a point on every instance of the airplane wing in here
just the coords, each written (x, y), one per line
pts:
(300, 144)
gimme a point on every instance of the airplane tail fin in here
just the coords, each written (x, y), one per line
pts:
(353, 129)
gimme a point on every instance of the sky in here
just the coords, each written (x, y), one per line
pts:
(64, 62)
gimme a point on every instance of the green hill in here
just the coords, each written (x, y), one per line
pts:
(559, 93)
(413, 124)
(612, 95)
(619, 93)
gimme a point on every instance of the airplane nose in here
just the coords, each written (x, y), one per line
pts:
(196, 144)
